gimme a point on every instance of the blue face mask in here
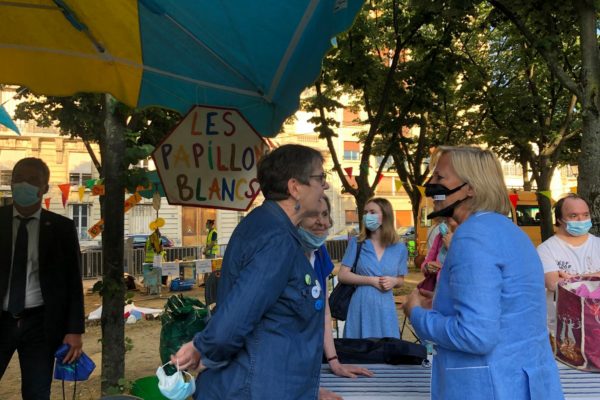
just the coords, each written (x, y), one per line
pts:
(310, 241)
(175, 387)
(578, 228)
(25, 194)
(371, 222)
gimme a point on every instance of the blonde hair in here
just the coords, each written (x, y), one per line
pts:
(481, 170)
(388, 235)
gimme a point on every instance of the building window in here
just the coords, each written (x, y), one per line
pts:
(351, 217)
(351, 151)
(80, 213)
(79, 178)
(512, 169)
(140, 217)
(350, 118)
(5, 177)
(572, 171)
(388, 164)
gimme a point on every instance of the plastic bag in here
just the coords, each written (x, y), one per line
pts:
(182, 319)
(79, 370)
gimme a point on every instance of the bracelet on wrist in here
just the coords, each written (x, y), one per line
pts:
(332, 358)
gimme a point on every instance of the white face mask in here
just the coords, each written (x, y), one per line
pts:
(175, 387)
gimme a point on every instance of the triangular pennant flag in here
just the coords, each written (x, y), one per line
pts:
(47, 202)
(379, 178)
(81, 190)
(7, 121)
(574, 189)
(98, 189)
(90, 183)
(421, 190)
(96, 229)
(348, 171)
(398, 184)
(514, 198)
(546, 193)
(64, 189)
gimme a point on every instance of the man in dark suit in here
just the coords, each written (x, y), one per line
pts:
(40, 282)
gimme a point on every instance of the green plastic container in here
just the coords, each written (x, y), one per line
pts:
(147, 388)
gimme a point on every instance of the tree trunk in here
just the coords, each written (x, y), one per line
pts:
(544, 202)
(361, 199)
(588, 183)
(113, 291)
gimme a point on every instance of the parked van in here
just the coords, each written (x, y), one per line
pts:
(526, 215)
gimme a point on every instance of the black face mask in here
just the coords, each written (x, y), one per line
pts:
(435, 190)
(446, 212)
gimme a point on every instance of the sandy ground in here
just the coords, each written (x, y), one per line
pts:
(142, 360)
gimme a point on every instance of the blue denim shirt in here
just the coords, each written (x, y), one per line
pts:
(266, 339)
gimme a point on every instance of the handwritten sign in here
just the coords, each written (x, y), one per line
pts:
(209, 160)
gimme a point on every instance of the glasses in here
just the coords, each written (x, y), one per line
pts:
(322, 178)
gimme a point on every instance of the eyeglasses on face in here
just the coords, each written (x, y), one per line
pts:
(322, 178)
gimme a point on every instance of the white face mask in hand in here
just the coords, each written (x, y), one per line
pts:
(175, 387)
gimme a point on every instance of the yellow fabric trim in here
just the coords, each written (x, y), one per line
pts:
(40, 48)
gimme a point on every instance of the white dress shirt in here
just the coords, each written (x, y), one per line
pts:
(33, 291)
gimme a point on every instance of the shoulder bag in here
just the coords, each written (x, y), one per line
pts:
(340, 297)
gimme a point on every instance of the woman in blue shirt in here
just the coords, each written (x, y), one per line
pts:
(266, 339)
(381, 267)
(313, 233)
(487, 321)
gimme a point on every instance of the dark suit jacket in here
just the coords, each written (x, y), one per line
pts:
(60, 272)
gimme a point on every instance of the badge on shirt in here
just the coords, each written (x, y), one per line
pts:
(316, 291)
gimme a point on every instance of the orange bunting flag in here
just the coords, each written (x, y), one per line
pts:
(96, 229)
(64, 189)
(81, 191)
(47, 202)
(98, 190)
(348, 171)
(514, 198)
(132, 201)
(573, 189)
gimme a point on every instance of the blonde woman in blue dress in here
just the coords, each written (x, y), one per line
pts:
(381, 267)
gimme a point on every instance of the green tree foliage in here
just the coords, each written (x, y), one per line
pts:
(396, 66)
(529, 116)
(544, 26)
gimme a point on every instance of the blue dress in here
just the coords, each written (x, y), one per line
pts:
(372, 313)
(266, 339)
(488, 322)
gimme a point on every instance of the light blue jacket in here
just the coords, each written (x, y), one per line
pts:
(265, 340)
(488, 321)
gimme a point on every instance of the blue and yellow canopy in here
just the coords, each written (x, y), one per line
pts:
(256, 56)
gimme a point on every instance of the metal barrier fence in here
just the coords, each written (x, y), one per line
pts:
(91, 260)
(336, 249)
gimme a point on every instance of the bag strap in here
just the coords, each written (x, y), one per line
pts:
(353, 270)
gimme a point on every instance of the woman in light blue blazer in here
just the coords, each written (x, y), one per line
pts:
(487, 319)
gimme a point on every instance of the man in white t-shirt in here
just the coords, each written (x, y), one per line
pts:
(572, 251)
